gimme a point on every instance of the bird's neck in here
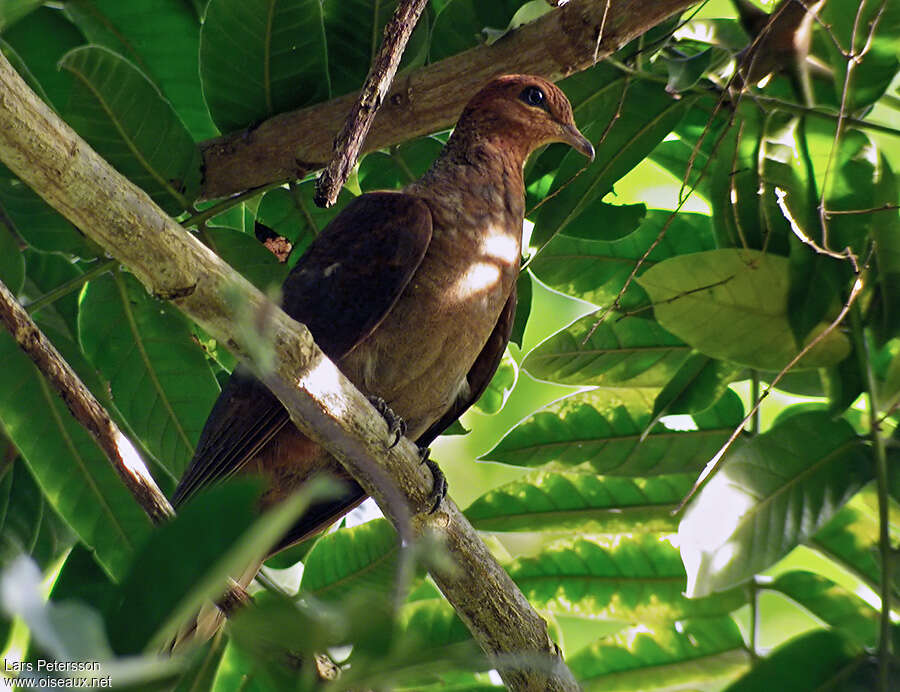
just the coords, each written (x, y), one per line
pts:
(485, 171)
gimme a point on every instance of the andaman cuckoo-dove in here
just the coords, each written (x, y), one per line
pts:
(411, 293)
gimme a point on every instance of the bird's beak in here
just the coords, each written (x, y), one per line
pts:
(572, 137)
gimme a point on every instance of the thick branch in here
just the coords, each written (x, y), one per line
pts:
(84, 407)
(352, 135)
(47, 154)
(431, 98)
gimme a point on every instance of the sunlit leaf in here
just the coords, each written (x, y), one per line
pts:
(581, 502)
(776, 490)
(732, 304)
(621, 351)
(687, 656)
(602, 429)
(631, 579)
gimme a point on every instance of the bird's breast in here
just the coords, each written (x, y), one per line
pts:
(418, 357)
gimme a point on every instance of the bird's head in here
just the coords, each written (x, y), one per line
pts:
(522, 113)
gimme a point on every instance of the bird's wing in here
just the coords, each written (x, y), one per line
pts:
(341, 289)
(480, 373)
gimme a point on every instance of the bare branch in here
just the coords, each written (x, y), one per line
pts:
(381, 74)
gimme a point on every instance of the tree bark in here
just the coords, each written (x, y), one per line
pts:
(563, 41)
(52, 159)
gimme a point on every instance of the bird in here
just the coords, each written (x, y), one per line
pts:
(411, 293)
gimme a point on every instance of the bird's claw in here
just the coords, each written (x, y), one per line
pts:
(439, 487)
(396, 425)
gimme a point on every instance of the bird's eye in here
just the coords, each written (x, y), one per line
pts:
(533, 96)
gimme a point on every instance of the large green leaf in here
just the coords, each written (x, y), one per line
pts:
(354, 29)
(28, 523)
(688, 655)
(849, 24)
(364, 556)
(119, 111)
(818, 660)
(158, 375)
(250, 257)
(74, 475)
(459, 24)
(46, 272)
(628, 578)
(398, 165)
(602, 429)
(771, 493)
(647, 115)
(831, 603)
(41, 39)
(621, 352)
(262, 57)
(732, 304)
(162, 38)
(12, 262)
(596, 270)
(697, 385)
(886, 232)
(851, 539)
(581, 502)
(39, 224)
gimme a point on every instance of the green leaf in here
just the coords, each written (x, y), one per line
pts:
(524, 291)
(500, 386)
(163, 39)
(602, 429)
(364, 556)
(581, 502)
(886, 233)
(11, 11)
(636, 578)
(770, 494)
(697, 385)
(46, 272)
(851, 539)
(814, 661)
(39, 224)
(250, 257)
(12, 262)
(157, 373)
(733, 186)
(596, 270)
(40, 40)
(688, 655)
(732, 304)
(621, 352)
(459, 24)
(647, 115)
(434, 625)
(262, 57)
(354, 29)
(398, 165)
(28, 524)
(850, 23)
(74, 475)
(831, 603)
(686, 70)
(119, 111)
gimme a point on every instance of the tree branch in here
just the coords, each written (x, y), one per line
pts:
(352, 135)
(563, 41)
(50, 157)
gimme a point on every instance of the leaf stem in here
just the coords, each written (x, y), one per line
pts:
(72, 284)
(202, 217)
(881, 477)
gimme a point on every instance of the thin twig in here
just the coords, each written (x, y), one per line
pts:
(71, 285)
(350, 139)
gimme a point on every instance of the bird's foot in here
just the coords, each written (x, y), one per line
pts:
(396, 425)
(439, 488)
